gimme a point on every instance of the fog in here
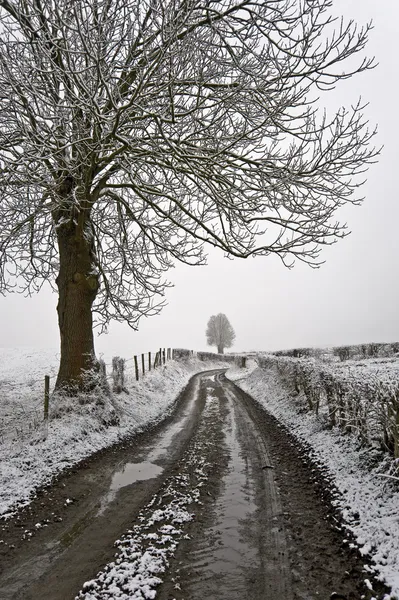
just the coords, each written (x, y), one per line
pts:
(351, 298)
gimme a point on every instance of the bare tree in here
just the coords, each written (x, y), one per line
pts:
(135, 132)
(219, 332)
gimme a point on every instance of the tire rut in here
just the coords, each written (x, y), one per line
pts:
(237, 545)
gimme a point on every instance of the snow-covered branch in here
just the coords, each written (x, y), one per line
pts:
(158, 127)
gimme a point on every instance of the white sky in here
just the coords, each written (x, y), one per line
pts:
(352, 298)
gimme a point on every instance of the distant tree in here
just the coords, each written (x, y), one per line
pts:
(135, 132)
(219, 332)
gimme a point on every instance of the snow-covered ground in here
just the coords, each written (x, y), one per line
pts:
(32, 453)
(369, 499)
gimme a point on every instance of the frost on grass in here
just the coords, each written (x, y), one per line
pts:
(368, 500)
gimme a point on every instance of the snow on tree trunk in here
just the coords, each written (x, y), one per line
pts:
(77, 285)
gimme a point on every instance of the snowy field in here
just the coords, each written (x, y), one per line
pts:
(369, 499)
(31, 454)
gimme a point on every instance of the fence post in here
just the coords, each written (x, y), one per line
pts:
(136, 368)
(149, 361)
(163, 356)
(46, 396)
(160, 357)
(142, 364)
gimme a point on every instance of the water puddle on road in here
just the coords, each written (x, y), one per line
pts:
(165, 441)
(129, 474)
(225, 563)
(156, 451)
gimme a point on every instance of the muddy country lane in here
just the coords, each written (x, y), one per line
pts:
(217, 502)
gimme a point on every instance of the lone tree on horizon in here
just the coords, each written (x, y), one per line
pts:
(134, 133)
(220, 333)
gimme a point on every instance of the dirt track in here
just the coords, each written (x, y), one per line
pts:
(264, 528)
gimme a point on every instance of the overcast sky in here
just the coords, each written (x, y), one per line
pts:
(352, 298)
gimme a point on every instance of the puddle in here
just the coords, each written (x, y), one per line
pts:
(165, 440)
(226, 559)
(157, 450)
(130, 473)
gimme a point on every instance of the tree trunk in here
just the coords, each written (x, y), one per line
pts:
(77, 284)
(220, 349)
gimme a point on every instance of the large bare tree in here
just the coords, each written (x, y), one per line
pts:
(135, 132)
(219, 332)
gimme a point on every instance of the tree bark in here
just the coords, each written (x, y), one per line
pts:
(78, 284)
(220, 349)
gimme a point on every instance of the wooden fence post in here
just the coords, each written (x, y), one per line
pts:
(149, 361)
(46, 396)
(142, 364)
(163, 356)
(136, 368)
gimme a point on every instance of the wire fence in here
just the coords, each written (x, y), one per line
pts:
(24, 403)
(21, 405)
(19, 418)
